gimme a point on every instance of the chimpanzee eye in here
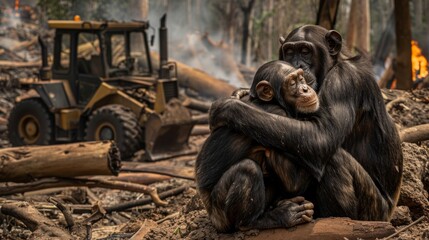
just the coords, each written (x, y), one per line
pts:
(288, 51)
(305, 51)
(292, 83)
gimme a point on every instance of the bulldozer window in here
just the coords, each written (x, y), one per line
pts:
(64, 63)
(118, 53)
(139, 53)
(88, 54)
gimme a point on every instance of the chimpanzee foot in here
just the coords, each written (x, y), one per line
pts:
(294, 211)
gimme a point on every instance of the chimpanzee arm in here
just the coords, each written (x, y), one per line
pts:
(314, 140)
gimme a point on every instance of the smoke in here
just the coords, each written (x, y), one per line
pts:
(186, 25)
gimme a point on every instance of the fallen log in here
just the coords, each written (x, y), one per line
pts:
(200, 130)
(86, 182)
(415, 134)
(198, 80)
(12, 64)
(66, 160)
(41, 226)
(328, 229)
(192, 103)
(161, 167)
(201, 119)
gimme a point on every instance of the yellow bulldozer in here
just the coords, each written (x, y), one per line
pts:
(101, 86)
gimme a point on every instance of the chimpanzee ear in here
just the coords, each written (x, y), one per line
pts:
(282, 40)
(265, 91)
(334, 42)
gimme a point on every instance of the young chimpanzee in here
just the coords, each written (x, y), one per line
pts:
(239, 183)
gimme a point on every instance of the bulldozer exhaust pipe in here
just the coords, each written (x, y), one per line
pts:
(45, 70)
(164, 71)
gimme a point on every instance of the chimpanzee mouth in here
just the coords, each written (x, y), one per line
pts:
(309, 106)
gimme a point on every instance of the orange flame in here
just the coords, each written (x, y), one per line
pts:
(418, 61)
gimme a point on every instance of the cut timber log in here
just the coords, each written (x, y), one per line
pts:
(67, 160)
(11, 64)
(329, 229)
(198, 80)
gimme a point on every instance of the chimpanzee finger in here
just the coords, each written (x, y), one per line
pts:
(303, 207)
(297, 199)
(299, 71)
(306, 218)
(307, 215)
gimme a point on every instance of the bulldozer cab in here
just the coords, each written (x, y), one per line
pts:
(86, 53)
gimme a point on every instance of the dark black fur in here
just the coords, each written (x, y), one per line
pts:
(231, 181)
(352, 122)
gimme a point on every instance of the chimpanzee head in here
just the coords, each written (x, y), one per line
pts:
(279, 82)
(313, 49)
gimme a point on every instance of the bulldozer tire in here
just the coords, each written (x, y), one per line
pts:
(30, 123)
(118, 123)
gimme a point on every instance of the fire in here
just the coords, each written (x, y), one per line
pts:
(418, 61)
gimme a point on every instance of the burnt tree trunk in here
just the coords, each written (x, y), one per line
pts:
(247, 11)
(327, 14)
(359, 25)
(67, 160)
(403, 45)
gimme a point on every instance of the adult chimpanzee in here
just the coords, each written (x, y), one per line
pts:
(352, 117)
(234, 174)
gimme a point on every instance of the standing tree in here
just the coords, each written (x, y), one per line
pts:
(359, 25)
(403, 45)
(327, 14)
(246, 7)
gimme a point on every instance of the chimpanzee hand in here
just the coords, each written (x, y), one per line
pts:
(294, 211)
(239, 93)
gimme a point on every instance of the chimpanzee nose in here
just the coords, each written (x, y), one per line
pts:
(305, 88)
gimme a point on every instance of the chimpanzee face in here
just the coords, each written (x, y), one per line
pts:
(313, 49)
(302, 55)
(297, 94)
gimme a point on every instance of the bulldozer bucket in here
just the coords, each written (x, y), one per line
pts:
(167, 134)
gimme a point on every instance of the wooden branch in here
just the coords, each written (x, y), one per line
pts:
(389, 106)
(415, 134)
(144, 229)
(198, 80)
(405, 228)
(161, 167)
(67, 182)
(41, 226)
(66, 212)
(12, 64)
(144, 201)
(330, 228)
(67, 160)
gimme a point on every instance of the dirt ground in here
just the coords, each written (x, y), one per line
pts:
(184, 216)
